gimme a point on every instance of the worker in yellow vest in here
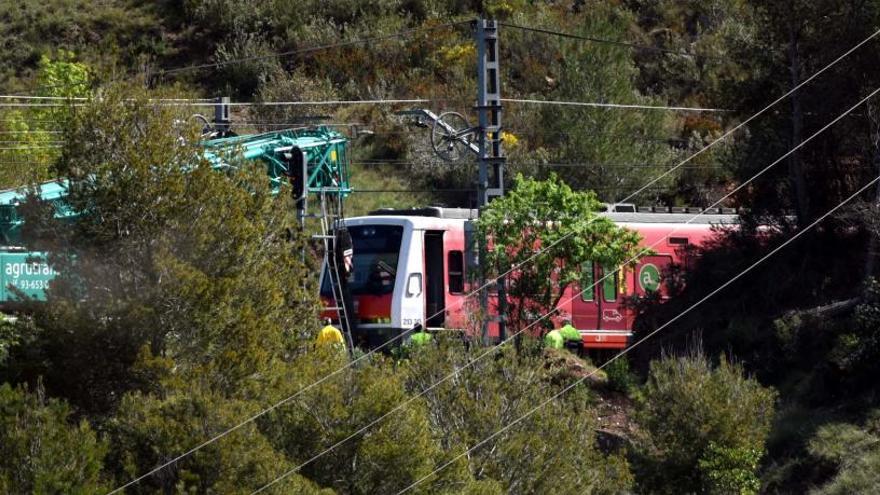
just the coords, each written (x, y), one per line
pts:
(330, 335)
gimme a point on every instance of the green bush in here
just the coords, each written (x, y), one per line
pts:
(704, 427)
(552, 450)
(149, 430)
(41, 451)
(620, 377)
(730, 470)
(853, 455)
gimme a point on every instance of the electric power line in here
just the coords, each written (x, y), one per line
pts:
(613, 105)
(388, 101)
(27, 148)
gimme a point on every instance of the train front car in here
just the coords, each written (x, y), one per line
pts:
(407, 266)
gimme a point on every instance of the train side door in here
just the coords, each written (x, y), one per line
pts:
(612, 315)
(585, 307)
(435, 288)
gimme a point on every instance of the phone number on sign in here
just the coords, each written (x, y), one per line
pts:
(31, 284)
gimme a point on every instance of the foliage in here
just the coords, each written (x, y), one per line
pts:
(552, 450)
(41, 451)
(612, 151)
(730, 470)
(548, 214)
(857, 347)
(34, 132)
(853, 451)
(147, 429)
(171, 254)
(704, 427)
(10, 336)
(620, 377)
(384, 459)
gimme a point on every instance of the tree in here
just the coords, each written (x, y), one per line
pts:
(548, 214)
(41, 451)
(148, 430)
(35, 132)
(792, 41)
(551, 450)
(164, 251)
(704, 427)
(385, 458)
(609, 151)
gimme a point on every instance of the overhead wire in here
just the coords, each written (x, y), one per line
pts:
(612, 105)
(26, 148)
(389, 101)
(577, 382)
(560, 304)
(402, 334)
(85, 98)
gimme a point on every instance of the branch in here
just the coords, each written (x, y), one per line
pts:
(837, 308)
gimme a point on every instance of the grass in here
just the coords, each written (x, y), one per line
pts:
(367, 180)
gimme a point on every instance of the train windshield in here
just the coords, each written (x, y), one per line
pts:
(374, 264)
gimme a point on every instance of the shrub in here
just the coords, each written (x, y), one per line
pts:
(852, 453)
(620, 378)
(730, 470)
(704, 428)
(40, 451)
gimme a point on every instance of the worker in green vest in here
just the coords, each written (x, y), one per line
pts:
(420, 339)
(569, 333)
(554, 340)
(572, 339)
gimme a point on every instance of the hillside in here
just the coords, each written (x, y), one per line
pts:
(171, 324)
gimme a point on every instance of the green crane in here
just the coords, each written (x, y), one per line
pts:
(312, 160)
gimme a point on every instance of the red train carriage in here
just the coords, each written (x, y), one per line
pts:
(411, 267)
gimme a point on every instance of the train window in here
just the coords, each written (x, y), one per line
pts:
(376, 255)
(455, 264)
(678, 241)
(587, 280)
(609, 284)
(414, 285)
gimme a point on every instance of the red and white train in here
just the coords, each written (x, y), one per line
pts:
(411, 267)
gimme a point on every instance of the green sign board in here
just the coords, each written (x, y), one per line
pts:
(26, 272)
(649, 277)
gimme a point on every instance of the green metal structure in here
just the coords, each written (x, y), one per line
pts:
(313, 160)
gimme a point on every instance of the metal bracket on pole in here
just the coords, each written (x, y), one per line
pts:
(221, 116)
(490, 157)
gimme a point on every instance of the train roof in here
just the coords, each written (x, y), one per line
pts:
(653, 215)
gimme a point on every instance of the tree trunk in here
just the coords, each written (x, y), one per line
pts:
(796, 177)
